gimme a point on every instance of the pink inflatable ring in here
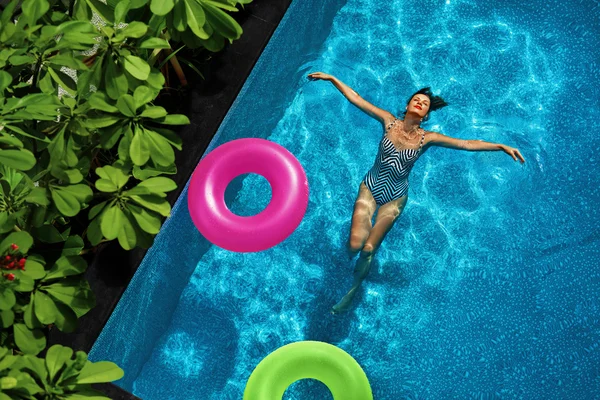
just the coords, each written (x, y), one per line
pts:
(289, 195)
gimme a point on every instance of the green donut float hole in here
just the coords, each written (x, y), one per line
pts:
(322, 389)
(260, 192)
(324, 362)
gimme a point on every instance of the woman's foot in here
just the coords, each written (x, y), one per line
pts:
(345, 303)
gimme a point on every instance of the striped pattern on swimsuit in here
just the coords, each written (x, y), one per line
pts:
(388, 178)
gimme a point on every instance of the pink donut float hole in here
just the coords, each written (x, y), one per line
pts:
(283, 214)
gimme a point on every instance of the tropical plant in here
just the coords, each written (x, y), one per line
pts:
(57, 376)
(81, 129)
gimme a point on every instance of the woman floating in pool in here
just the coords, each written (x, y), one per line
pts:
(386, 184)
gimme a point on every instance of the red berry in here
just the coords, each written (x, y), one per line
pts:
(14, 247)
(22, 262)
(10, 277)
(7, 258)
(11, 265)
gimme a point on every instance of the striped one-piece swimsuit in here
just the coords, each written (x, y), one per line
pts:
(388, 178)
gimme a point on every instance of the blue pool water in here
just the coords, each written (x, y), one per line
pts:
(486, 288)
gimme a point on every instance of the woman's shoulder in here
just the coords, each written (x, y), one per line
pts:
(388, 121)
(429, 136)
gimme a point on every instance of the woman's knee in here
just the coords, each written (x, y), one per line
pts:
(367, 250)
(357, 241)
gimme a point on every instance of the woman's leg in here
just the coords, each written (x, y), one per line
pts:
(364, 208)
(387, 215)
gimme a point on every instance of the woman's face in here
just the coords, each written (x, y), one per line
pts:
(419, 105)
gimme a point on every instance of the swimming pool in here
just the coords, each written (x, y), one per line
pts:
(487, 285)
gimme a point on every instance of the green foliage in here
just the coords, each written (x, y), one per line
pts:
(57, 376)
(35, 293)
(85, 151)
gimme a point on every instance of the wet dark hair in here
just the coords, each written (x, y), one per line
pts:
(435, 102)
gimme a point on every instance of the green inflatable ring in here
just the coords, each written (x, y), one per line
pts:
(308, 359)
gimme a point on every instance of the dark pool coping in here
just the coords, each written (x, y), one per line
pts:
(112, 267)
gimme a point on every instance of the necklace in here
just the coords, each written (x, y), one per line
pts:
(404, 132)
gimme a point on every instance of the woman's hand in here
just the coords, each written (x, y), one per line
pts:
(314, 76)
(514, 153)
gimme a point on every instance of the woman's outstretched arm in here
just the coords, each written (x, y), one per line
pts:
(437, 139)
(379, 114)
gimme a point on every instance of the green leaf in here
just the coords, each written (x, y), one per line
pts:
(143, 95)
(56, 357)
(96, 210)
(34, 269)
(10, 140)
(26, 284)
(7, 318)
(7, 298)
(22, 160)
(148, 221)
(44, 308)
(126, 105)
(153, 203)
(94, 233)
(127, 234)
(153, 170)
(17, 60)
(6, 383)
(67, 60)
(74, 292)
(159, 184)
(29, 341)
(29, 316)
(121, 10)
(67, 175)
(66, 319)
(22, 239)
(34, 9)
(18, 130)
(6, 80)
(115, 175)
(102, 10)
(124, 144)
(139, 150)
(102, 122)
(156, 80)
(99, 372)
(161, 7)
(49, 234)
(196, 18)
(115, 80)
(137, 67)
(82, 192)
(220, 5)
(45, 84)
(111, 222)
(161, 151)
(110, 136)
(65, 202)
(152, 43)
(175, 119)
(64, 80)
(57, 147)
(38, 195)
(223, 22)
(179, 18)
(106, 186)
(99, 101)
(155, 112)
(66, 266)
(135, 29)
